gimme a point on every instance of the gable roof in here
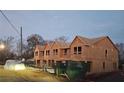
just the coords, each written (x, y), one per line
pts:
(40, 47)
(86, 41)
(48, 44)
(62, 44)
(112, 43)
(92, 41)
(89, 41)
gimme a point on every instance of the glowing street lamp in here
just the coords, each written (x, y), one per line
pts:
(2, 46)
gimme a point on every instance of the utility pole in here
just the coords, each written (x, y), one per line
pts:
(21, 42)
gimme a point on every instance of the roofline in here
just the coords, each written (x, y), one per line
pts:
(104, 37)
(112, 43)
(74, 39)
(109, 40)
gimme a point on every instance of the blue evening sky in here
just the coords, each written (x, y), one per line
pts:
(52, 24)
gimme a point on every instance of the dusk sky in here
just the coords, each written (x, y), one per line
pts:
(52, 24)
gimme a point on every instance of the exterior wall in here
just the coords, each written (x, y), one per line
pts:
(77, 57)
(54, 56)
(48, 57)
(36, 56)
(97, 53)
(64, 56)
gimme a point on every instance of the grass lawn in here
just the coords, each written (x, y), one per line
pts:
(28, 75)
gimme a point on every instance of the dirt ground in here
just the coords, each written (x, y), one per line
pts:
(117, 76)
(28, 75)
(114, 77)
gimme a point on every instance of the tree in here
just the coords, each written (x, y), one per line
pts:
(62, 38)
(35, 39)
(32, 41)
(7, 51)
(120, 47)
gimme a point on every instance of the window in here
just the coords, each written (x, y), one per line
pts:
(103, 65)
(56, 51)
(106, 53)
(79, 50)
(53, 51)
(65, 51)
(42, 53)
(48, 52)
(36, 53)
(75, 50)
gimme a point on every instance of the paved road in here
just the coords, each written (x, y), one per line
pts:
(28, 75)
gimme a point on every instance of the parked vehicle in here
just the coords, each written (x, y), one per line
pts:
(14, 65)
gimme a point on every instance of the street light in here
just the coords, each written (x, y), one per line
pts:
(2, 46)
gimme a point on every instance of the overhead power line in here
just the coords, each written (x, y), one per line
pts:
(15, 29)
(7, 19)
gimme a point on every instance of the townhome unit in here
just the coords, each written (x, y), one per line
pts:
(61, 51)
(39, 55)
(100, 53)
(48, 55)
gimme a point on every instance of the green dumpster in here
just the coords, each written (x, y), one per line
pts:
(72, 69)
(76, 70)
(60, 68)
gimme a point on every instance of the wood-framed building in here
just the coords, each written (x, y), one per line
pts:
(101, 53)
